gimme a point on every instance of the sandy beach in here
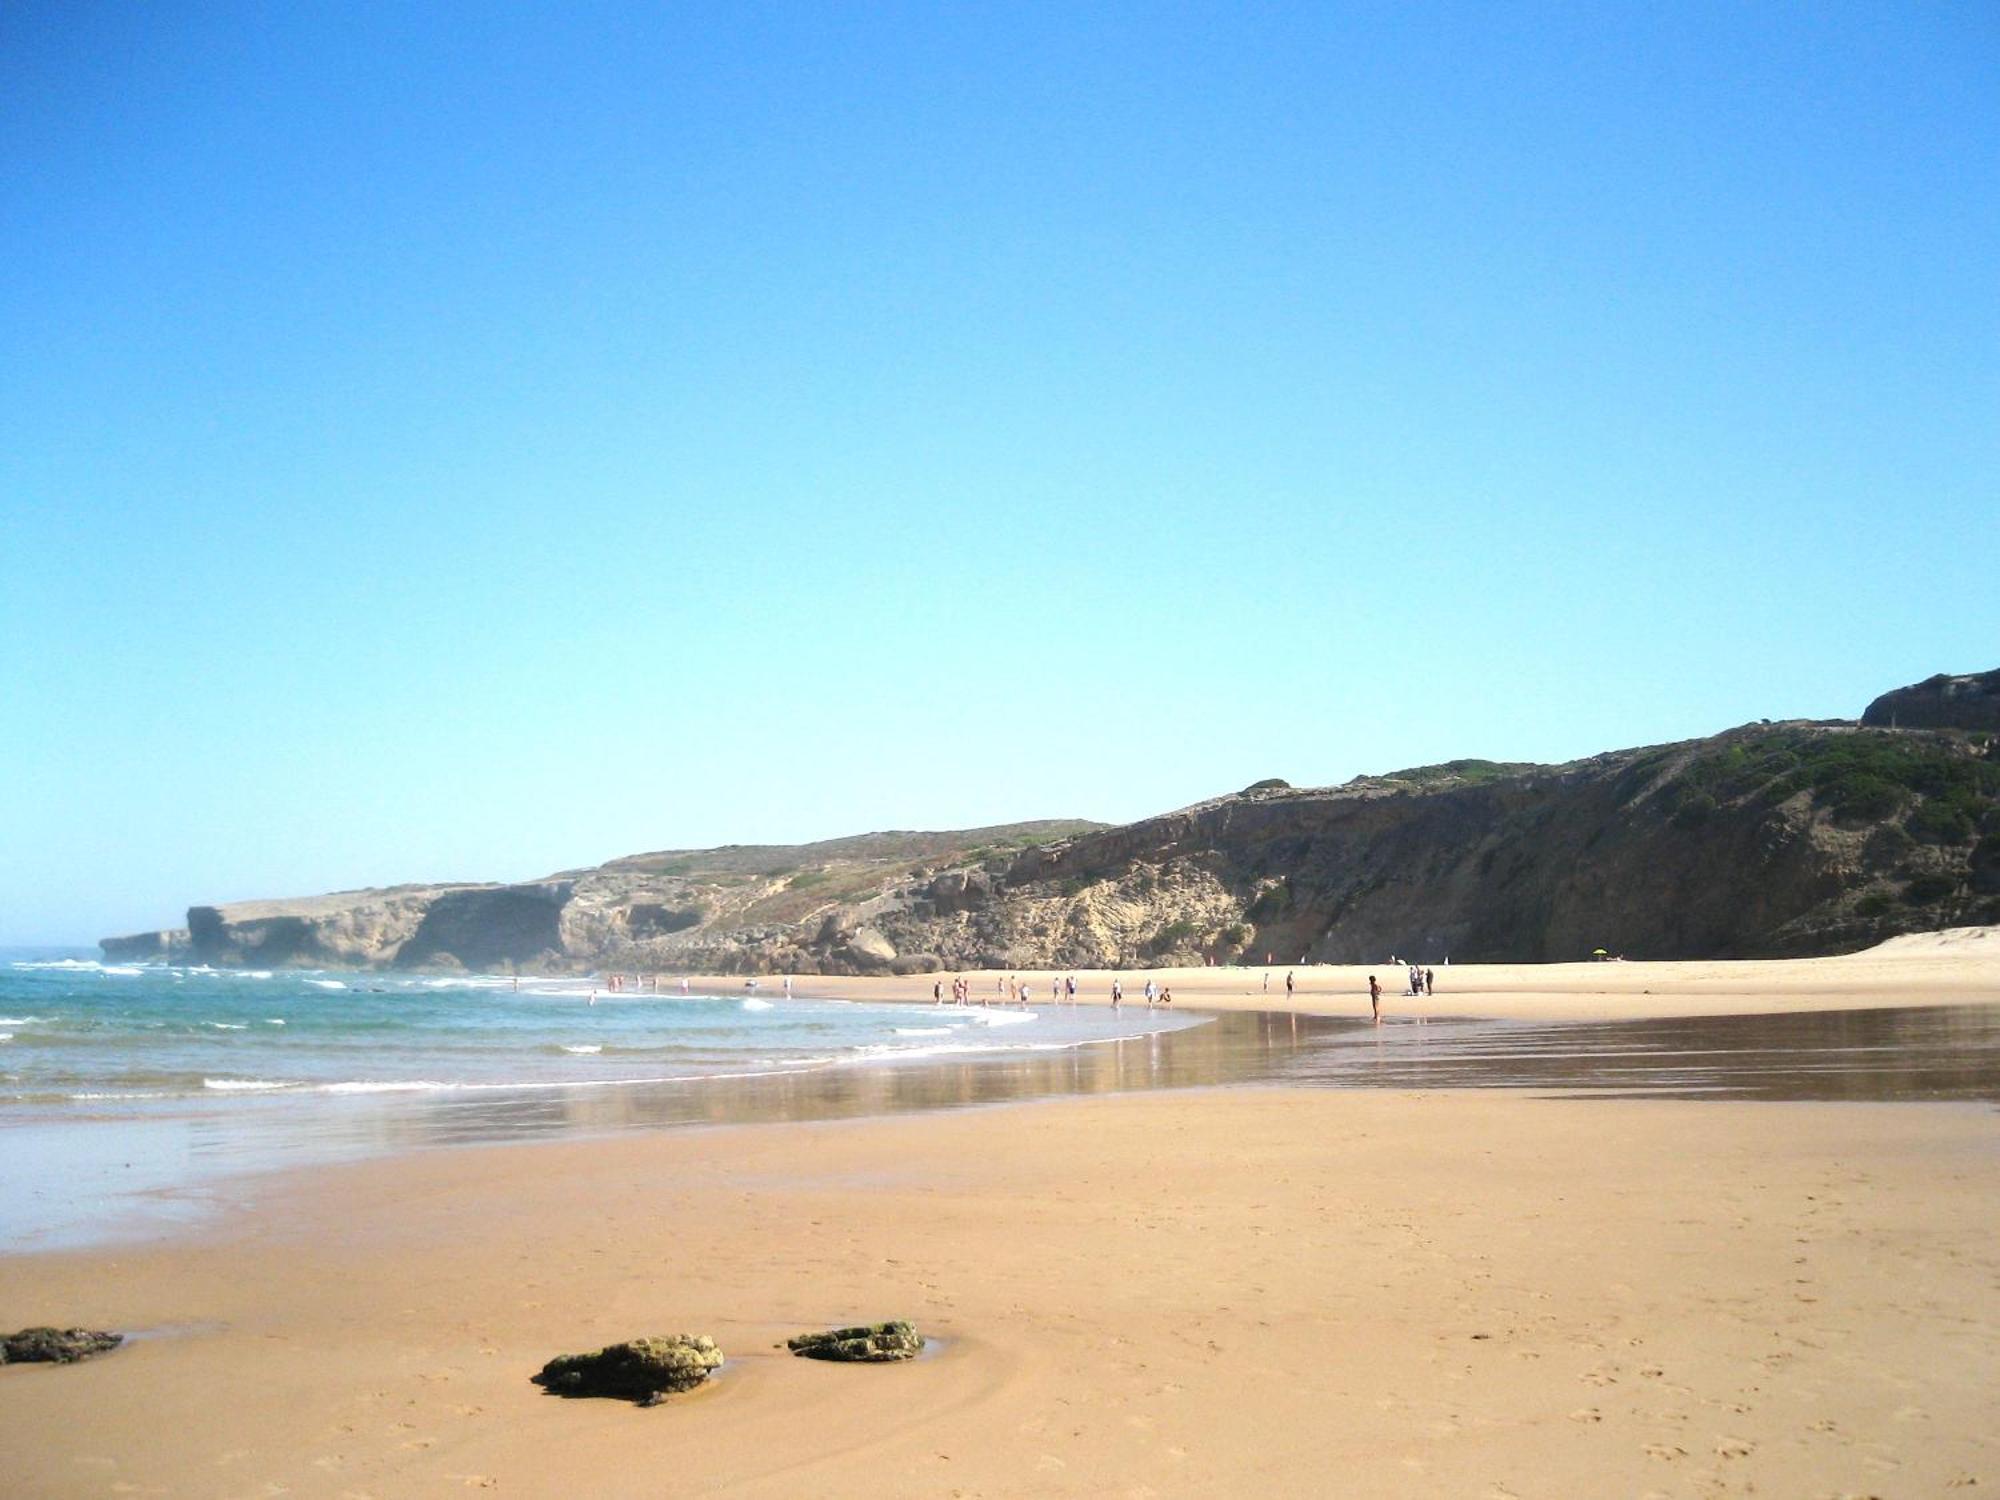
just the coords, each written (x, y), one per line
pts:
(1219, 1291)
(1959, 966)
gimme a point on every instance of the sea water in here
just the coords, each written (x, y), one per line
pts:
(80, 1032)
(126, 1085)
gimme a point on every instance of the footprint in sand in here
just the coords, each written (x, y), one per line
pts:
(1586, 1414)
(1730, 1447)
(1599, 1377)
(1665, 1452)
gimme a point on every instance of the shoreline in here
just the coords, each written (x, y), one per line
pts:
(1177, 1291)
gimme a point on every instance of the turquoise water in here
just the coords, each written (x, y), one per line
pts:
(134, 1096)
(75, 1032)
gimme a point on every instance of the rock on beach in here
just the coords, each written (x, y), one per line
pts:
(643, 1370)
(873, 1343)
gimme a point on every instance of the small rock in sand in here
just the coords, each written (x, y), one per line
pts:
(875, 1343)
(59, 1346)
(641, 1370)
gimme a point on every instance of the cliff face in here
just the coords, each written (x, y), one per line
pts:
(1785, 839)
(1940, 702)
(1772, 839)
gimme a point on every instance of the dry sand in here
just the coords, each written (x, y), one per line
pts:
(1960, 965)
(1230, 1292)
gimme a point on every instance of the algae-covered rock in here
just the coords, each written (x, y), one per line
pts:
(642, 1370)
(874, 1343)
(58, 1346)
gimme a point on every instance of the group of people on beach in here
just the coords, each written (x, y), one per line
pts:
(1008, 991)
(1013, 990)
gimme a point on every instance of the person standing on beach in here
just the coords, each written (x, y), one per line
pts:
(1069, 988)
(1117, 993)
(1150, 992)
(1430, 981)
(1288, 984)
(1375, 998)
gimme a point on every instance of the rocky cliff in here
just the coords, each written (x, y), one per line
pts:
(1941, 702)
(1789, 838)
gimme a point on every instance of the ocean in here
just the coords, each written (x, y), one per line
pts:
(80, 1032)
(127, 1087)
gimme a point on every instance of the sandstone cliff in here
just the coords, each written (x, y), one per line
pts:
(1790, 838)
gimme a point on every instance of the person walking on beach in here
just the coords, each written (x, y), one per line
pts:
(1375, 998)
(1117, 993)
(1150, 992)
(1069, 988)
(1288, 984)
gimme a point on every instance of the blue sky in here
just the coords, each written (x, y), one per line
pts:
(463, 441)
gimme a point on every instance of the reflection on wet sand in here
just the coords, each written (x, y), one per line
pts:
(1861, 1056)
(1233, 1048)
(1950, 1052)
(70, 1182)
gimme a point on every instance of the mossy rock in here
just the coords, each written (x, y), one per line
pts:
(55, 1346)
(642, 1370)
(871, 1344)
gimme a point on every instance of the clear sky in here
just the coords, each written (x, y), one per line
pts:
(468, 440)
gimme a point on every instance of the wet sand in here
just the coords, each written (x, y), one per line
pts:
(1241, 1291)
(1252, 1289)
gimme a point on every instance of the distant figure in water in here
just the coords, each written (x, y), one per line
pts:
(593, 997)
(937, 993)
(517, 981)
(684, 984)
(1375, 998)
(1055, 990)
(1069, 988)
(1150, 992)
(1117, 993)
(1166, 995)
(788, 986)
